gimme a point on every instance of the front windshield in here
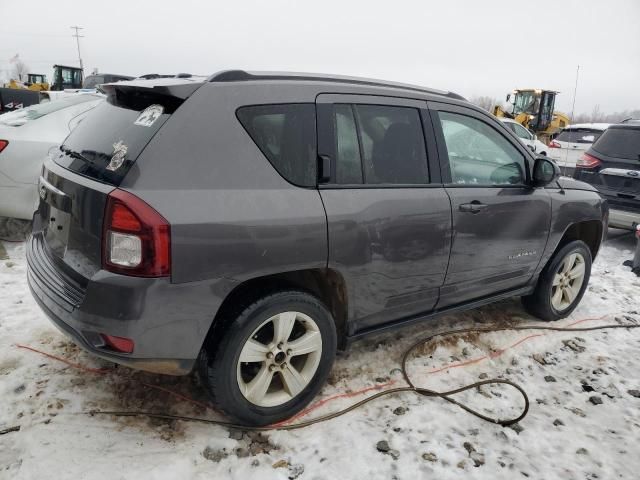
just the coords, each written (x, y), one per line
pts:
(525, 102)
(32, 112)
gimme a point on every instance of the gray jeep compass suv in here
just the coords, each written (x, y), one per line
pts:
(250, 224)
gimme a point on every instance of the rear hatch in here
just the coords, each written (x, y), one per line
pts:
(616, 173)
(77, 179)
(571, 143)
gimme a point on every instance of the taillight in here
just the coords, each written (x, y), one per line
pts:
(136, 239)
(554, 144)
(3, 144)
(588, 161)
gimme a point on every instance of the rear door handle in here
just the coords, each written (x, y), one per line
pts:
(473, 207)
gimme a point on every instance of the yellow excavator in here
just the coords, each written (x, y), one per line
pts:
(35, 82)
(36, 89)
(533, 109)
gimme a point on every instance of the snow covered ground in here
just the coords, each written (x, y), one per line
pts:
(568, 434)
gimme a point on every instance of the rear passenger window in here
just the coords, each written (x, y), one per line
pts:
(478, 154)
(286, 135)
(386, 143)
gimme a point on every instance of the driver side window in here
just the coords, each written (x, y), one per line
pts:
(478, 154)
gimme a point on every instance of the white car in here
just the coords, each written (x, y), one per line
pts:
(526, 136)
(26, 136)
(572, 142)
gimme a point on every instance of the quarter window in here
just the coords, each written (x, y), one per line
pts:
(385, 143)
(478, 154)
(286, 135)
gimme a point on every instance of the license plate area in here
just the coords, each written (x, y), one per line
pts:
(56, 216)
(621, 180)
(57, 230)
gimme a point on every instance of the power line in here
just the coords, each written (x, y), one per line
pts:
(78, 37)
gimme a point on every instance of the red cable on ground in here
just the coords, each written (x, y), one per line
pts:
(71, 364)
(178, 395)
(330, 399)
(500, 351)
(103, 371)
(494, 354)
(322, 402)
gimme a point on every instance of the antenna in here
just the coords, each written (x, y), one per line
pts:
(78, 37)
(575, 89)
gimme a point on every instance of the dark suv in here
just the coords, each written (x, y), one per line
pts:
(251, 224)
(612, 165)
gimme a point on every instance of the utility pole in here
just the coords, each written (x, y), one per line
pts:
(575, 89)
(78, 37)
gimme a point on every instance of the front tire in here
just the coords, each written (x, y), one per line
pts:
(562, 283)
(272, 359)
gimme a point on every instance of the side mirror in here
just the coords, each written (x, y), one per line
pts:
(508, 97)
(545, 171)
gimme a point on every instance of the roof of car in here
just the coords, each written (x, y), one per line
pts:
(242, 75)
(102, 74)
(627, 125)
(593, 126)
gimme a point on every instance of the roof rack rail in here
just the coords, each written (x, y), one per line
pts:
(242, 75)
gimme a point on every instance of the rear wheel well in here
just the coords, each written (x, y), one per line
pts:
(590, 232)
(325, 284)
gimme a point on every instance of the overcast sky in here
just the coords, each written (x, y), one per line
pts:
(470, 47)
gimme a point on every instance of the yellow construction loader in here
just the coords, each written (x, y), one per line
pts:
(36, 89)
(533, 109)
(36, 82)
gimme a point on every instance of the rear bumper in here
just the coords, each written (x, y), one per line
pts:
(623, 219)
(167, 322)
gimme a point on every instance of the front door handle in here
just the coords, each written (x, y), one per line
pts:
(473, 207)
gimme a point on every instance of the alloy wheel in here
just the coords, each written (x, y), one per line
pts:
(279, 359)
(567, 281)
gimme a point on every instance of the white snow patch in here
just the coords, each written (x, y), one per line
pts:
(47, 399)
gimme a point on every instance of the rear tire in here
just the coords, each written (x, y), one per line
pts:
(272, 359)
(562, 283)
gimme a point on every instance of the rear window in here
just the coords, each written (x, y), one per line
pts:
(109, 140)
(620, 143)
(579, 136)
(33, 112)
(286, 135)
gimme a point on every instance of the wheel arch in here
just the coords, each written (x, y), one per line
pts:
(589, 231)
(326, 284)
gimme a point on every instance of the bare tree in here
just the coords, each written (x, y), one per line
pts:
(20, 70)
(596, 114)
(484, 102)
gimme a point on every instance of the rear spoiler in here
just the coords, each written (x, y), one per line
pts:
(139, 94)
